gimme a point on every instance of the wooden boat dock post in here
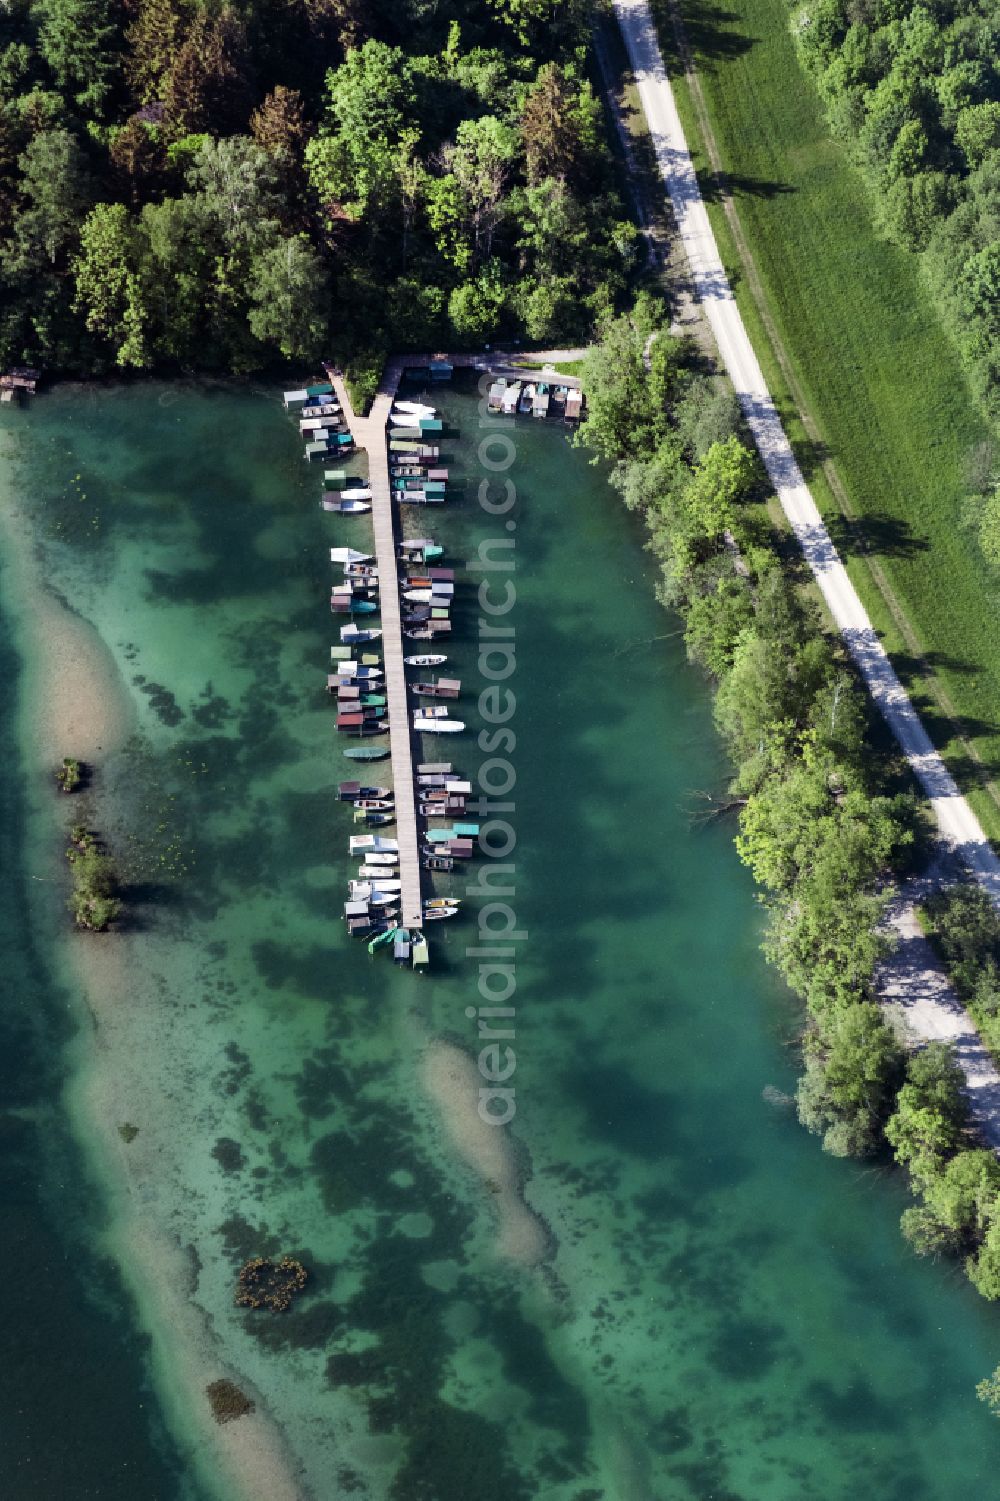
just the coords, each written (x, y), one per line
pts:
(371, 433)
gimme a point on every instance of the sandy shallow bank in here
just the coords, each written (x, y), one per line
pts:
(74, 701)
(452, 1080)
(247, 1458)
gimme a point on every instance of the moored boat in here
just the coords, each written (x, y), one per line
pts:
(418, 948)
(401, 946)
(420, 550)
(443, 688)
(427, 726)
(359, 844)
(415, 408)
(356, 633)
(348, 791)
(350, 604)
(440, 595)
(347, 507)
(362, 672)
(367, 753)
(428, 659)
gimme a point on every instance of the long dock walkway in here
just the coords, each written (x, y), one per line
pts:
(370, 433)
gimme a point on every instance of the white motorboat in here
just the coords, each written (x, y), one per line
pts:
(429, 726)
(413, 409)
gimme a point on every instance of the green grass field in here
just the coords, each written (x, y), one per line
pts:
(867, 360)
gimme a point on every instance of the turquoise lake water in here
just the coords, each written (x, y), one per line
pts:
(725, 1313)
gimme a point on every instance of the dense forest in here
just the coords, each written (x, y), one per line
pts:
(826, 824)
(217, 185)
(915, 91)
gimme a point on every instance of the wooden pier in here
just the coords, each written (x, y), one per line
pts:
(370, 433)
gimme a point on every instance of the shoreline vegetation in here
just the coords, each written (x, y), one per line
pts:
(868, 382)
(222, 189)
(827, 823)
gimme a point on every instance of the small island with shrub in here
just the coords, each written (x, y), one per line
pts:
(93, 901)
(70, 774)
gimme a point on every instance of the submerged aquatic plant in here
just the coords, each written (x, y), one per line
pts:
(264, 1283)
(227, 1401)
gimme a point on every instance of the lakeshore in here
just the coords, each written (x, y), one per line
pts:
(279, 1080)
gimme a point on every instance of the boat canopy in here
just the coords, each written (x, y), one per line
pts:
(375, 842)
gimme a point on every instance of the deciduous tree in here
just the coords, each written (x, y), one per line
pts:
(289, 298)
(108, 283)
